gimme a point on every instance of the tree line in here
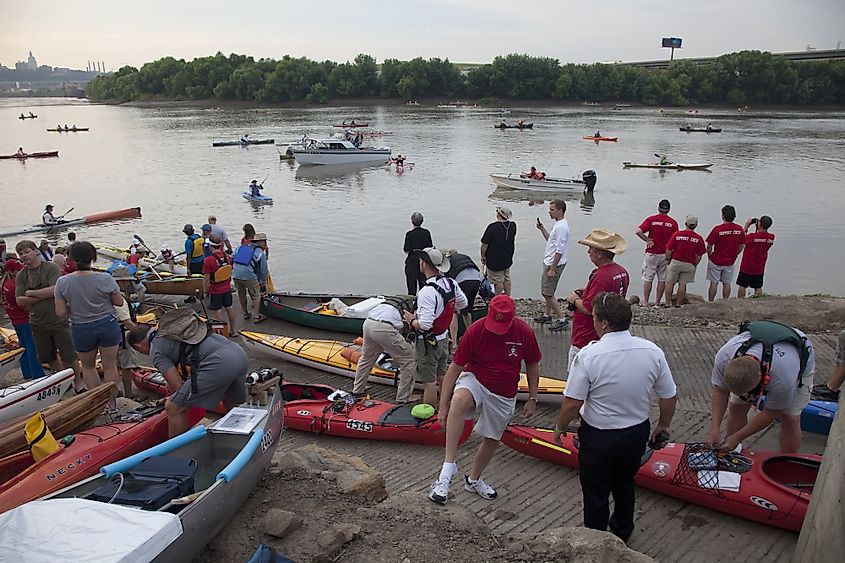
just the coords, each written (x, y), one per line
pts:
(746, 77)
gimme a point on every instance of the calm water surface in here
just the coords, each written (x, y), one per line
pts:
(342, 229)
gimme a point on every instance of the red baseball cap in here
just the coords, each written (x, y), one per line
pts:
(500, 314)
(12, 265)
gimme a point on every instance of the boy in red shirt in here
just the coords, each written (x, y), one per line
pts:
(684, 251)
(655, 232)
(724, 244)
(754, 256)
(217, 282)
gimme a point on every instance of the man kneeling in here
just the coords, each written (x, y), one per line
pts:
(488, 361)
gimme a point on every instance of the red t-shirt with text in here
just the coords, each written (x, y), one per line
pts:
(496, 359)
(756, 252)
(210, 266)
(686, 246)
(659, 228)
(726, 240)
(610, 277)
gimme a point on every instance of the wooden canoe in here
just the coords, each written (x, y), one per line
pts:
(62, 418)
(175, 286)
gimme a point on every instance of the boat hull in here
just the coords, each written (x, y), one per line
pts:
(47, 154)
(673, 166)
(308, 157)
(180, 286)
(241, 144)
(263, 199)
(128, 213)
(711, 130)
(526, 126)
(9, 359)
(515, 182)
(591, 138)
(76, 130)
(22, 400)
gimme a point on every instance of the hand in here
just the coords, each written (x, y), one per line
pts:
(443, 413)
(657, 430)
(572, 297)
(539, 224)
(649, 243)
(558, 434)
(529, 409)
(551, 273)
(483, 260)
(712, 439)
(408, 316)
(729, 444)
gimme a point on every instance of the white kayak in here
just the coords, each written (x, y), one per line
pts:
(517, 182)
(118, 253)
(670, 166)
(34, 395)
(257, 198)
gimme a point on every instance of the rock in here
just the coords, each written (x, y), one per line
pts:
(579, 544)
(349, 531)
(279, 523)
(352, 475)
(331, 540)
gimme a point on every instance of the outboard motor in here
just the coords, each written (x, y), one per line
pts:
(590, 179)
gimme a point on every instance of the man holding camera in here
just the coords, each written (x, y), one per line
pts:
(754, 256)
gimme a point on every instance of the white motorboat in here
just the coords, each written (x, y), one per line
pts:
(549, 184)
(338, 151)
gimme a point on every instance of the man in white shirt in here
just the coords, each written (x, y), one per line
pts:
(48, 218)
(610, 386)
(554, 261)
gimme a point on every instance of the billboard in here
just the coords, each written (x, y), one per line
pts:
(673, 42)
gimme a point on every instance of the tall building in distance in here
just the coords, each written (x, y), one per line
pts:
(31, 63)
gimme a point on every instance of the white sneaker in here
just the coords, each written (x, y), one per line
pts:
(439, 492)
(484, 490)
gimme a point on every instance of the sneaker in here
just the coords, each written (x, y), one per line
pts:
(439, 492)
(543, 319)
(559, 325)
(479, 486)
(823, 392)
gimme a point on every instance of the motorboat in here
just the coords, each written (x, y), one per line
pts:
(338, 151)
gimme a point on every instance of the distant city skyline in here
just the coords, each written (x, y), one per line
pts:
(69, 35)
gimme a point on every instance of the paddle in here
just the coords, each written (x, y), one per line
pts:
(59, 221)
(144, 244)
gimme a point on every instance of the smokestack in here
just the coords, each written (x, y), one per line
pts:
(88, 67)
(104, 65)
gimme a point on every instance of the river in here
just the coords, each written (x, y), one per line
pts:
(342, 230)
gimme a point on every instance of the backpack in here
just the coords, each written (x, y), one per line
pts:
(245, 256)
(198, 250)
(184, 325)
(768, 333)
(223, 273)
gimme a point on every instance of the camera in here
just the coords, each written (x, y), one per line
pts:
(572, 306)
(754, 221)
(261, 375)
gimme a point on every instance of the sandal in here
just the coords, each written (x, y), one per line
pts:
(246, 316)
(258, 319)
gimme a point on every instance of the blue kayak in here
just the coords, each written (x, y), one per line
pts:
(818, 416)
(257, 198)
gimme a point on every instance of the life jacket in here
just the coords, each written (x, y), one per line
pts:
(402, 302)
(223, 273)
(442, 322)
(245, 256)
(768, 333)
(459, 263)
(198, 251)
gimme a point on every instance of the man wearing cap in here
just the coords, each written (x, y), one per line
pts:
(610, 386)
(603, 245)
(483, 379)
(724, 243)
(206, 249)
(220, 232)
(684, 251)
(437, 302)
(221, 367)
(554, 261)
(217, 283)
(194, 251)
(48, 218)
(249, 270)
(655, 231)
(497, 246)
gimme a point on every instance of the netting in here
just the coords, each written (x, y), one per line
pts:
(698, 469)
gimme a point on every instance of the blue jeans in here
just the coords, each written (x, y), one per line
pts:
(102, 333)
(30, 366)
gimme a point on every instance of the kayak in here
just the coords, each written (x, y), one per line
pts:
(711, 130)
(27, 116)
(818, 416)
(257, 198)
(8, 359)
(242, 143)
(670, 166)
(548, 184)
(120, 253)
(33, 395)
(775, 491)
(340, 358)
(505, 126)
(62, 418)
(128, 213)
(151, 381)
(22, 479)
(594, 138)
(47, 154)
(352, 126)
(175, 286)
(308, 409)
(72, 130)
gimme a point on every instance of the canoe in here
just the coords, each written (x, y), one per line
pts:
(776, 490)
(241, 143)
(505, 126)
(151, 381)
(23, 399)
(517, 182)
(221, 467)
(47, 154)
(672, 166)
(128, 213)
(22, 479)
(257, 198)
(818, 416)
(711, 130)
(175, 286)
(121, 253)
(72, 130)
(327, 355)
(352, 126)
(9, 359)
(308, 409)
(27, 116)
(594, 138)
(62, 418)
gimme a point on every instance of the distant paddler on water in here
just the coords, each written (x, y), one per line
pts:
(49, 220)
(255, 188)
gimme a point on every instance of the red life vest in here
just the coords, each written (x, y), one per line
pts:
(442, 322)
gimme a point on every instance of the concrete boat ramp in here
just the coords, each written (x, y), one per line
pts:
(535, 496)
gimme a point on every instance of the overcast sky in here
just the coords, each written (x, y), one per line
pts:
(70, 33)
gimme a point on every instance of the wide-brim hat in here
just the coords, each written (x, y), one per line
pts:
(435, 258)
(605, 239)
(504, 211)
(500, 314)
(258, 237)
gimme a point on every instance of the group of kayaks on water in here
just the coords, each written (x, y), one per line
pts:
(30, 116)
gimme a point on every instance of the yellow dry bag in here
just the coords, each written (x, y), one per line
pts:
(38, 436)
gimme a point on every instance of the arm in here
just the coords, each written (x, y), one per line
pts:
(709, 249)
(532, 374)
(667, 411)
(668, 254)
(61, 307)
(26, 302)
(228, 245)
(758, 422)
(263, 271)
(718, 407)
(568, 411)
(206, 282)
(116, 299)
(41, 294)
(484, 253)
(174, 380)
(642, 236)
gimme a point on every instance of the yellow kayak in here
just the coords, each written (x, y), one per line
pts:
(339, 358)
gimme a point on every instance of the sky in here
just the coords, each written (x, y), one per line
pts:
(70, 33)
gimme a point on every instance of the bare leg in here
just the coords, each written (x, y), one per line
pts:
(682, 294)
(430, 394)
(711, 290)
(668, 293)
(230, 315)
(758, 291)
(109, 358)
(647, 293)
(126, 377)
(552, 306)
(462, 403)
(242, 298)
(740, 292)
(726, 291)
(256, 304)
(506, 287)
(483, 455)
(177, 419)
(790, 433)
(89, 370)
(661, 289)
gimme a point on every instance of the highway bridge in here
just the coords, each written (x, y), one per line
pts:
(817, 55)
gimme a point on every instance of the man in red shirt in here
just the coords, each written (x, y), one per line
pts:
(602, 247)
(655, 232)
(217, 282)
(724, 244)
(754, 256)
(488, 361)
(683, 251)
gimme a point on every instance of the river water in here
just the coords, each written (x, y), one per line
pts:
(341, 230)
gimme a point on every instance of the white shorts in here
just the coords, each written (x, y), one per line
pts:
(655, 265)
(802, 397)
(494, 411)
(723, 274)
(573, 351)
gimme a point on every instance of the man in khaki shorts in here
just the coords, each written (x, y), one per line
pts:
(497, 247)
(554, 261)
(739, 382)
(683, 251)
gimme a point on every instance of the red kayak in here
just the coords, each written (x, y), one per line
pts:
(22, 479)
(594, 138)
(307, 408)
(151, 381)
(31, 155)
(775, 491)
(128, 213)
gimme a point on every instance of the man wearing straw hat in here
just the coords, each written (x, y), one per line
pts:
(602, 247)
(497, 246)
